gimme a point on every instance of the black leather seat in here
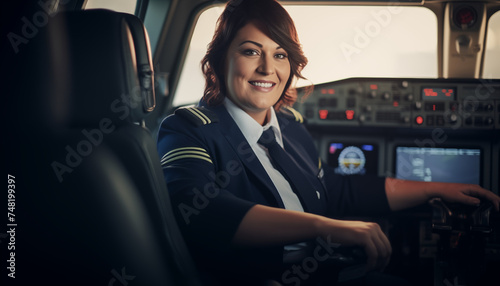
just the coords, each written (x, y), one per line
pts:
(150, 174)
(92, 206)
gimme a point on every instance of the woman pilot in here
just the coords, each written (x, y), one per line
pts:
(242, 203)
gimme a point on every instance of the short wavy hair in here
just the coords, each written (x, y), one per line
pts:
(279, 27)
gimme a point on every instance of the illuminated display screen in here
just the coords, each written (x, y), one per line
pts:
(438, 93)
(454, 165)
(353, 158)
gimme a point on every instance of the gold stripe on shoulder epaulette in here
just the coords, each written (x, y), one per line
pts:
(197, 115)
(321, 172)
(185, 153)
(298, 117)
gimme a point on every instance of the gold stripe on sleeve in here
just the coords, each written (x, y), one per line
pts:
(184, 153)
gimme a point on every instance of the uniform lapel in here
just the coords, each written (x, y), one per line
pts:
(240, 146)
(313, 203)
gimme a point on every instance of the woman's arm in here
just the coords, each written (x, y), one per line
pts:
(403, 194)
(263, 226)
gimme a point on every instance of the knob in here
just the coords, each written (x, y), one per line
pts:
(453, 118)
(372, 94)
(418, 105)
(470, 106)
(488, 121)
(488, 107)
(404, 84)
(386, 95)
(409, 97)
(362, 118)
(368, 108)
(454, 106)
(356, 90)
(405, 119)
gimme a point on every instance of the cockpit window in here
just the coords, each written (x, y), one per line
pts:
(126, 6)
(340, 42)
(492, 53)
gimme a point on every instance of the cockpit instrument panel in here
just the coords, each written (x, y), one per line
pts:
(409, 103)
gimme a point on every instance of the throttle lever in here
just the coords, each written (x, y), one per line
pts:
(447, 217)
(441, 215)
(481, 218)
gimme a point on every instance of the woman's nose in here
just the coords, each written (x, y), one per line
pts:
(266, 65)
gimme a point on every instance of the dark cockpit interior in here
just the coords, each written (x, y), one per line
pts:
(88, 84)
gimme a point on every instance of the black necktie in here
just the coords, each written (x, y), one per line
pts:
(289, 169)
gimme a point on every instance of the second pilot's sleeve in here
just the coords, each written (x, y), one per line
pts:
(355, 195)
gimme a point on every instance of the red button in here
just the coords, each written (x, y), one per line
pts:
(349, 114)
(323, 114)
(419, 120)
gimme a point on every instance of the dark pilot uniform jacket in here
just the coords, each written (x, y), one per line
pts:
(214, 178)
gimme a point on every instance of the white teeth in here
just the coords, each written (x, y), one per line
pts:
(262, 84)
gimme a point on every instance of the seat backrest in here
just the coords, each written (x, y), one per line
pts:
(94, 204)
(150, 175)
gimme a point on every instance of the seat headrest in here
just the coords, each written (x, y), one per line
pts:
(88, 70)
(144, 61)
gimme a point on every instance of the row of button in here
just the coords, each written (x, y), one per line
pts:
(332, 102)
(386, 96)
(479, 121)
(439, 120)
(478, 106)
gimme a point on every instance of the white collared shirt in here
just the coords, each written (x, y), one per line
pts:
(252, 131)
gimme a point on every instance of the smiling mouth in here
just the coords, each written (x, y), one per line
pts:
(262, 84)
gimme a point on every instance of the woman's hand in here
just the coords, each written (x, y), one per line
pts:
(463, 193)
(367, 235)
(264, 226)
(403, 194)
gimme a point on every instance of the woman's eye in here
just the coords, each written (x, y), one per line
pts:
(250, 52)
(281, 56)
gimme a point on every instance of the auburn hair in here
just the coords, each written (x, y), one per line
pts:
(279, 27)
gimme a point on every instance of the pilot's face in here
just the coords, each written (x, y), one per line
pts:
(257, 70)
